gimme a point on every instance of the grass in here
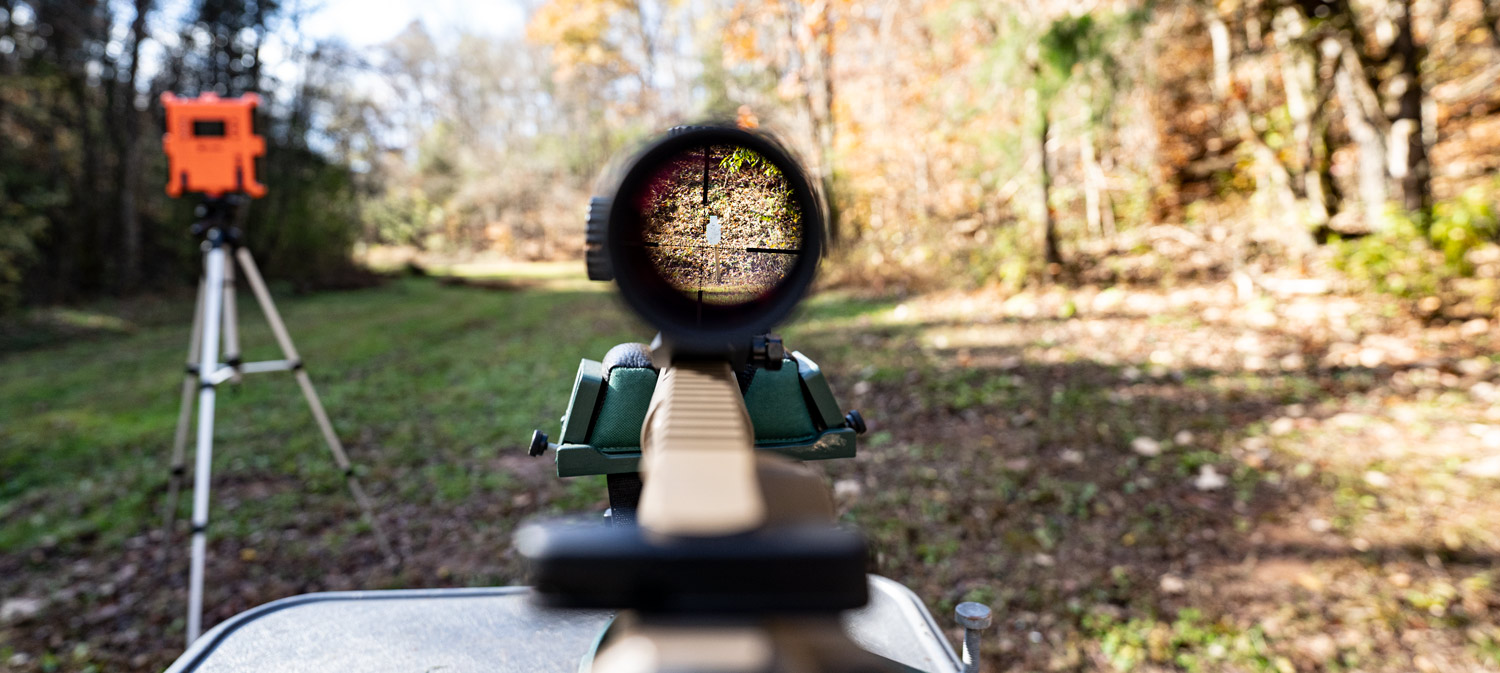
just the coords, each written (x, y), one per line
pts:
(416, 365)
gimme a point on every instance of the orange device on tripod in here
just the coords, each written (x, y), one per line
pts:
(211, 148)
(211, 145)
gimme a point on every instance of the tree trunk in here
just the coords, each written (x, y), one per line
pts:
(1280, 213)
(130, 165)
(1491, 10)
(825, 142)
(647, 73)
(816, 39)
(1322, 190)
(1089, 167)
(1306, 99)
(1218, 33)
(1049, 222)
(1298, 79)
(1363, 129)
(1408, 148)
(94, 273)
(826, 127)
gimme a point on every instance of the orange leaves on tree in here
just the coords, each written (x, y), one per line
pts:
(579, 33)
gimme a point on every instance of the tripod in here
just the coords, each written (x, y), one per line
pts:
(215, 310)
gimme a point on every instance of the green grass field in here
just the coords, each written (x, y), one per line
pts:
(409, 372)
(413, 373)
(1147, 479)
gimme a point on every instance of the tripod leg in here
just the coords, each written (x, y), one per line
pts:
(231, 323)
(208, 361)
(184, 418)
(340, 458)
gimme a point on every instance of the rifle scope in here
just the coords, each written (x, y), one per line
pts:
(713, 234)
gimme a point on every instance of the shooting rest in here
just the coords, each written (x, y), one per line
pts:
(215, 317)
(735, 562)
(793, 413)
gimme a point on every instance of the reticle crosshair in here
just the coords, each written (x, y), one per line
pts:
(211, 145)
(721, 224)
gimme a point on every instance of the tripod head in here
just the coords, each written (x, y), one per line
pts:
(216, 217)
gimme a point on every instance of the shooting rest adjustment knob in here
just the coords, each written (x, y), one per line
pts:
(973, 615)
(767, 351)
(975, 618)
(538, 443)
(856, 421)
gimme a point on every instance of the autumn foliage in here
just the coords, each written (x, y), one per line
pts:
(957, 142)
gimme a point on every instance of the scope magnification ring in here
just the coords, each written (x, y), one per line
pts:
(717, 270)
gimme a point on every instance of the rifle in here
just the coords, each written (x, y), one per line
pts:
(720, 551)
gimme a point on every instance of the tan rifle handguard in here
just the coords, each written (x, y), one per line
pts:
(698, 460)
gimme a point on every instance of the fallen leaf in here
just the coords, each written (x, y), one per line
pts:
(846, 489)
(17, 609)
(1209, 479)
(1145, 446)
(1310, 582)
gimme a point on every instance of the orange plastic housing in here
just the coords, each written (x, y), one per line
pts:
(211, 145)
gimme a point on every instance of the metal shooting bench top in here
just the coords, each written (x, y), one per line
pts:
(491, 629)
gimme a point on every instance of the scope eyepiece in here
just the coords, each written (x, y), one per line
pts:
(713, 234)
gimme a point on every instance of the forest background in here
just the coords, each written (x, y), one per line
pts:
(961, 143)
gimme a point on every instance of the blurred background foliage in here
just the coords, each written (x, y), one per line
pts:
(960, 142)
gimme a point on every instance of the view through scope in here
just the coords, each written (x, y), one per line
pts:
(721, 224)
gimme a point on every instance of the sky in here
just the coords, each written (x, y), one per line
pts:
(358, 23)
(368, 22)
(362, 23)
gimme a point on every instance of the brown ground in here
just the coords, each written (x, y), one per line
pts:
(1159, 480)
(1349, 520)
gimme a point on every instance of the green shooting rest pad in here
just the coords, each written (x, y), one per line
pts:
(792, 410)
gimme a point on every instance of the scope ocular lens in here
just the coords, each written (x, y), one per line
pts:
(713, 234)
(720, 224)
